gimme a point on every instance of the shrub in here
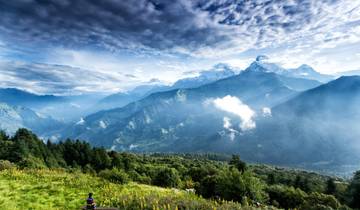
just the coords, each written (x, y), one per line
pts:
(234, 185)
(32, 162)
(6, 165)
(167, 177)
(114, 175)
(139, 178)
(319, 199)
(286, 197)
(89, 170)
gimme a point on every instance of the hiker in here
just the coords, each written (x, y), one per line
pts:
(90, 202)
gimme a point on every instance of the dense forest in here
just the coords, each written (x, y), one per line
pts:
(211, 176)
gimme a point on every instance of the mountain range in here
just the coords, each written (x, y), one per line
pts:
(182, 115)
(120, 99)
(263, 113)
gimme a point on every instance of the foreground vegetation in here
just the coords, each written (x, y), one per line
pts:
(35, 175)
(57, 189)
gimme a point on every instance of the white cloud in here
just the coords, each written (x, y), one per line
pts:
(81, 122)
(57, 79)
(131, 125)
(181, 95)
(266, 111)
(102, 124)
(235, 106)
(228, 126)
(320, 33)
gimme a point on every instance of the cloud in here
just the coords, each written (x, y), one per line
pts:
(102, 124)
(58, 79)
(266, 111)
(128, 42)
(191, 27)
(228, 126)
(139, 26)
(234, 105)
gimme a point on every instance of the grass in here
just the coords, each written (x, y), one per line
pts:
(57, 189)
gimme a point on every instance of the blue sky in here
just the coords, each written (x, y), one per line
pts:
(83, 46)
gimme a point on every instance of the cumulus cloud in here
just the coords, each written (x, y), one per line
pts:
(235, 106)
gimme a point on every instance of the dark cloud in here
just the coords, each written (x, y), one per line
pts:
(146, 25)
(107, 24)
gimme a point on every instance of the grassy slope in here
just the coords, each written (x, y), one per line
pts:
(49, 189)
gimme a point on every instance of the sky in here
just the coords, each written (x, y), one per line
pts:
(64, 46)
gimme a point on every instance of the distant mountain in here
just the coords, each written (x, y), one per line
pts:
(319, 126)
(348, 73)
(291, 81)
(304, 71)
(117, 100)
(15, 117)
(123, 98)
(23, 98)
(219, 71)
(185, 119)
(65, 108)
(307, 72)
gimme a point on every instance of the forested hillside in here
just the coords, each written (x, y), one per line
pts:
(211, 176)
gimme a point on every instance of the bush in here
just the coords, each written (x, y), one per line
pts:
(140, 178)
(89, 170)
(286, 197)
(319, 199)
(234, 185)
(32, 162)
(6, 165)
(115, 175)
(167, 177)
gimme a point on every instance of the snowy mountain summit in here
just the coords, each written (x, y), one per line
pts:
(262, 64)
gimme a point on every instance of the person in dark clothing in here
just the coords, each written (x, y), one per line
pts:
(90, 202)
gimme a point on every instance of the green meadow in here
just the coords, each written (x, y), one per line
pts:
(56, 189)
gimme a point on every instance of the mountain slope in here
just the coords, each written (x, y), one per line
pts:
(184, 115)
(15, 117)
(123, 98)
(50, 105)
(318, 126)
(117, 100)
(22, 98)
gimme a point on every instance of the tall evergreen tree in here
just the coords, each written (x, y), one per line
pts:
(330, 187)
(238, 163)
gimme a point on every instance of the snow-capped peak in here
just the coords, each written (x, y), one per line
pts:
(261, 64)
(219, 71)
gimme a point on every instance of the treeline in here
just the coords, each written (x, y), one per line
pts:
(209, 175)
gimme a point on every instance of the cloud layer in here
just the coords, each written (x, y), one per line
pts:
(56, 79)
(130, 41)
(193, 27)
